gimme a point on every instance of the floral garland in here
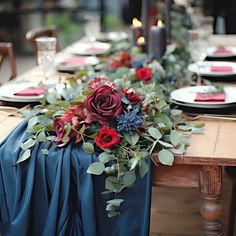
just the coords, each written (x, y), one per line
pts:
(122, 121)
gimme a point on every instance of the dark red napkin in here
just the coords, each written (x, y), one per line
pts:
(75, 61)
(221, 68)
(32, 91)
(223, 51)
(210, 97)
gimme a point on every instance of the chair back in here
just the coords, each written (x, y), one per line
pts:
(6, 52)
(43, 31)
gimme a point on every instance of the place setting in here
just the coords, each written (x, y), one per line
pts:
(73, 63)
(27, 92)
(225, 53)
(89, 48)
(221, 71)
(205, 99)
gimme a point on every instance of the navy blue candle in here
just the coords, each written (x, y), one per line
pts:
(157, 41)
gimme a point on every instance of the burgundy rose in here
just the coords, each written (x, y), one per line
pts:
(104, 103)
(107, 138)
(123, 59)
(133, 97)
(144, 74)
(59, 127)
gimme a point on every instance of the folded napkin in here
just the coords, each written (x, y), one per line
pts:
(93, 50)
(223, 51)
(221, 68)
(75, 61)
(32, 91)
(210, 97)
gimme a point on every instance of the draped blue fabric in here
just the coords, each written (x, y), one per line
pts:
(53, 194)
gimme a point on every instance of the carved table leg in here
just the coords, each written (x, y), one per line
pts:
(211, 209)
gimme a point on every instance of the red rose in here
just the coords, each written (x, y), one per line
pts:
(144, 74)
(59, 127)
(133, 97)
(107, 138)
(104, 103)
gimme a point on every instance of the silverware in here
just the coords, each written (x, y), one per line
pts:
(13, 111)
(190, 116)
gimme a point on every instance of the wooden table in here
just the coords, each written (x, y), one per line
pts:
(200, 167)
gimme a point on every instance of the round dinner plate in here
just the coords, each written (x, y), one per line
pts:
(7, 92)
(112, 36)
(89, 48)
(186, 96)
(221, 52)
(73, 63)
(204, 68)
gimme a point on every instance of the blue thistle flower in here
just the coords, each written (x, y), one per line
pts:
(130, 121)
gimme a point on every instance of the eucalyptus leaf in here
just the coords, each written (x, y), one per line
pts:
(88, 147)
(113, 214)
(27, 144)
(45, 151)
(51, 98)
(174, 137)
(42, 136)
(143, 168)
(26, 154)
(96, 168)
(132, 139)
(106, 157)
(165, 144)
(166, 157)
(32, 121)
(115, 202)
(154, 132)
(129, 178)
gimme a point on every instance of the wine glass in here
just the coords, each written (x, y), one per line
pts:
(46, 52)
(197, 47)
(92, 26)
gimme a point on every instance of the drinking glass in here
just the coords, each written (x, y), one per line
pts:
(46, 52)
(197, 48)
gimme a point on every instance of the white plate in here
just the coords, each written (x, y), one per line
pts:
(112, 36)
(84, 61)
(88, 48)
(7, 93)
(188, 94)
(211, 52)
(205, 68)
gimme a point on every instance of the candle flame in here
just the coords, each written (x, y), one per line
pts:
(141, 40)
(136, 22)
(159, 23)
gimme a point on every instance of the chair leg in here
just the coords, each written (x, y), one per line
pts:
(232, 211)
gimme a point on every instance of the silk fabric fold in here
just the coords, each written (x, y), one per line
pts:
(53, 194)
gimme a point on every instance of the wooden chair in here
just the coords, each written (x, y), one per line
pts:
(6, 52)
(43, 31)
(231, 172)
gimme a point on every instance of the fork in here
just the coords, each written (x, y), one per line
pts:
(214, 116)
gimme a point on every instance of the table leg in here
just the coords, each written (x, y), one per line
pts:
(211, 209)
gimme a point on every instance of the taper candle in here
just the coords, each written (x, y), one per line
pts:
(136, 31)
(157, 41)
(168, 19)
(144, 18)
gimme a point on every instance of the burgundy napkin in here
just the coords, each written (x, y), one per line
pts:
(75, 61)
(210, 97)
(223, 51)
(221, 68)
(32, 91)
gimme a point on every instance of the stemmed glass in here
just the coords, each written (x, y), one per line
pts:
(92, 26)
(46, 52)
(197, 47)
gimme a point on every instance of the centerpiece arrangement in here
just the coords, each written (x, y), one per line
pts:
(121, 121)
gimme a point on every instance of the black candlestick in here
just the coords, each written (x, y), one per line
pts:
(157, 42)
(167, 19)
(144, 18)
